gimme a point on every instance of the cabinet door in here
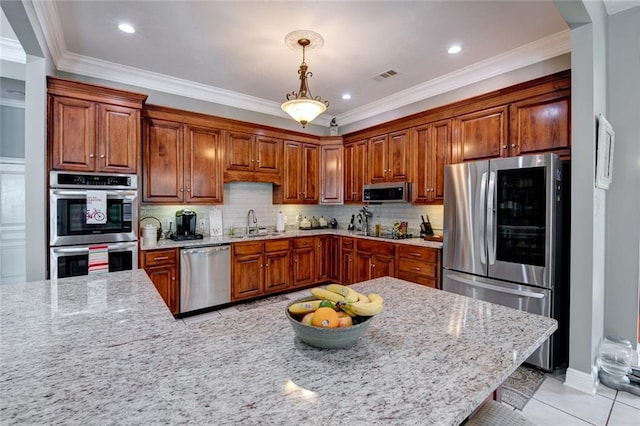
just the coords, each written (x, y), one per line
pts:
(238, 152)
(363, 266)
(163, 161)
(267, 158)
(304, 266)
(347, 266)
(398, 157)
(119, 140)
(382, 266)
(276, 272)
(331, 175)
(247, 276)
(483, 134)
(541, 124)
(202, 166)
(327, 252)
(377, 152)
(355, 171)
(72, 134)
(431, 151)
(310, 158)
(292, 173)
(164, 279)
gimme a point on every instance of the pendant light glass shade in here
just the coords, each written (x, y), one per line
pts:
(304, 110)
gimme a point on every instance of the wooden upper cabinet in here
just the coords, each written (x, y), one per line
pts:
(431, 152)
(93, 128)
(331, 175)
(388, 157)
(162, 170)
(300, 175)
(541, 123)
(355, 171)
(202, 165)
(252, 158)
(482, 134)
(182, 163)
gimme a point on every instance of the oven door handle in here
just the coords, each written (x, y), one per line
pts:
(83, 194)
(85, 249)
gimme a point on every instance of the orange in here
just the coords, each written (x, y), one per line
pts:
(325, 317)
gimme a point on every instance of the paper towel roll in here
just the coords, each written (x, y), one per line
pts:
(280, 222)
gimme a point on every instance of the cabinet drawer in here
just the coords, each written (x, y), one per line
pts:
(247, 248)
(375, 247)
(347, 243)
(276, 245)
(425, 254)
(303, 242)
(416, 267)
(160, 257)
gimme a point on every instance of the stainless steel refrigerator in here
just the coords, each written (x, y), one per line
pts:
(504, 240)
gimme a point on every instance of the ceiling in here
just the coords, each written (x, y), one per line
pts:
(233, 52)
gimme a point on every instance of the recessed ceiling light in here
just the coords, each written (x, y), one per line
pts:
(455, 49)
(126, 28)
(346, 96)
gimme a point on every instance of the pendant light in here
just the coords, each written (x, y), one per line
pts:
(301, 105)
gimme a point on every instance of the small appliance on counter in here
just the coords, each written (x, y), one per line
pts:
(186, 226)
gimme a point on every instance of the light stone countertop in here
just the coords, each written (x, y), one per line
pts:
(104, 349)
(292, 233)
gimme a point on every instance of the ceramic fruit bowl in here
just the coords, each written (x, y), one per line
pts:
(327, 338)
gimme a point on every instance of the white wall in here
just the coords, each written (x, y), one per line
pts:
(623, 197)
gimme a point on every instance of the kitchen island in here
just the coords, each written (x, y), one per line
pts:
(104, 349)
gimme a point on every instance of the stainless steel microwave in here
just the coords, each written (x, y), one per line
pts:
(392, 192)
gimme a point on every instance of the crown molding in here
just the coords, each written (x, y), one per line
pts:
(11, 50)
(49, 22)
(531, 53)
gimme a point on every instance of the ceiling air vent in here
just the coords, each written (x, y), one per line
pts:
(384, 75)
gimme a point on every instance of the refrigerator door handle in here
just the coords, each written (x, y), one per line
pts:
(530, 294)
(481, 228)
(491, 232)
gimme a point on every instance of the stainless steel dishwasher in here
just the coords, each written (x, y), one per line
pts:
(205, 277)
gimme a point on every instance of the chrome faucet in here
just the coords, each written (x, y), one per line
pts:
(252, 219)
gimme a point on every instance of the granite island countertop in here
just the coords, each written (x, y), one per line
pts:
(104, 349)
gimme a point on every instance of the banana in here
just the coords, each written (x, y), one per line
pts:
(345, 291)
(364, 309)
(362, 298)
(304, 307)
(321, 293)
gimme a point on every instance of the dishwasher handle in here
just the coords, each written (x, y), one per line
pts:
(203, 250)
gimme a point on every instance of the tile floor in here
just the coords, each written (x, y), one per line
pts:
(553, 404)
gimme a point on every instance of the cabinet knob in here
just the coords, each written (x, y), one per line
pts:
(373, 265)
(188, 189)
(262, 265)
(91, 155)
(513, 145)
(415, 268)
(102, 156)
(504, 147)
(181, 190)
(173, 278)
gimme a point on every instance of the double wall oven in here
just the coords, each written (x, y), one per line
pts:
(76, 244)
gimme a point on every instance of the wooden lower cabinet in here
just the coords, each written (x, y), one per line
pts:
(347, 254)
(418, 264)
(259, 267)
(163, 269)
(327, 251)
(374, 259)
(304, 261)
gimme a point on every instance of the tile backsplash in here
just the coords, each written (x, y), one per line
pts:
(239, 197)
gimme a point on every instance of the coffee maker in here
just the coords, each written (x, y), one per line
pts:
(186, 225)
